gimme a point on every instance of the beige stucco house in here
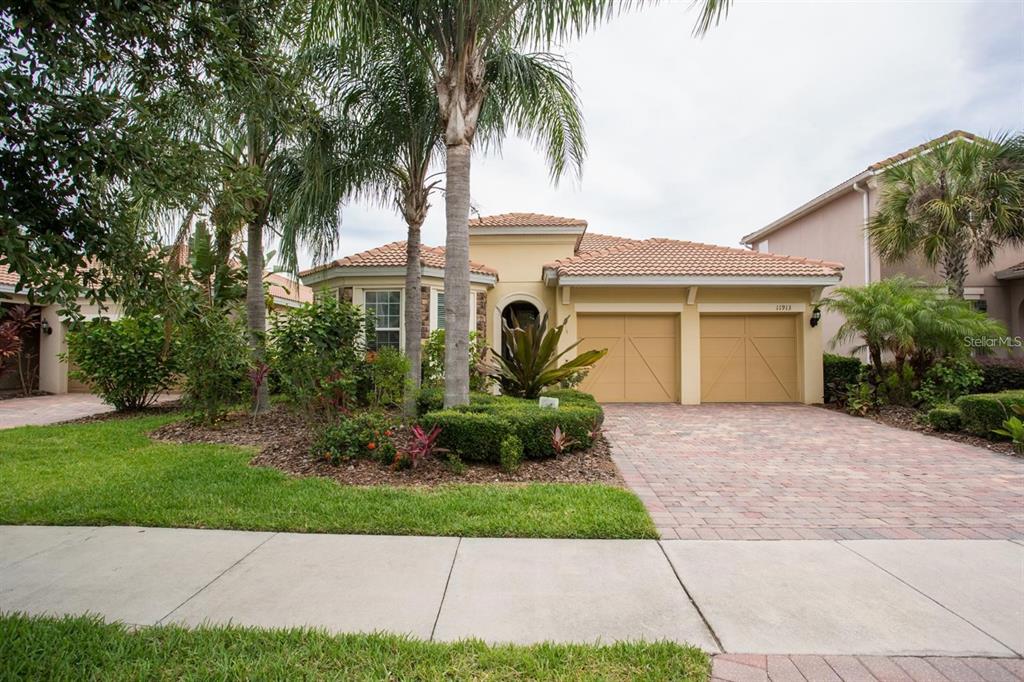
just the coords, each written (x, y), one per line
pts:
(832, 225)
(682, 321)
(49, 373)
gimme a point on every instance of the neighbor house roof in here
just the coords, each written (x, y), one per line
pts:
(393, 256)
(1012, 272)
(288, 289)
(7, 278)
(526, 220)
(670, 258)
(848, 185)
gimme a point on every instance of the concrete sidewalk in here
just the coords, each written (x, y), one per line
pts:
(867, 597)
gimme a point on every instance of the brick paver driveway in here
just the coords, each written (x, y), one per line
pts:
(733, 471)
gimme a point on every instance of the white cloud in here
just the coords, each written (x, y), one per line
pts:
(708, 139)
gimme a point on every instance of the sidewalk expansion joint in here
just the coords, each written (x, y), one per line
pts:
(215, 579)
(696, 606)
(437, 617)
(842, 543)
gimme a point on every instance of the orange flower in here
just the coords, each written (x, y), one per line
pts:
(371, 446)
(388, 434)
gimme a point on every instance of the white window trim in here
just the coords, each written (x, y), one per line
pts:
(401, 311)
(433, 309)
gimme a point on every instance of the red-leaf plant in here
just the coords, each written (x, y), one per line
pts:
(561, 442)
(424, 443)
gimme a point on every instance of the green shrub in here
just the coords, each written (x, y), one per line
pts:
(570, 395)
(366, 435)
(839, 372)
(983, 412)
(431, 399)
(433, 361)
(319, 354)
(534, 424)
(214, 358)
(473, 436)
(475, 431)
(1001, 374)
(945, 418)
(126, 362)
(387, 372)
(947, 380)
(511, 454)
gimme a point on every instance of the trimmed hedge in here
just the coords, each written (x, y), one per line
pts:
(839, 371)
(1001, 374)
(945, 418)
(475, 431)
(983, 412)
(432, 399)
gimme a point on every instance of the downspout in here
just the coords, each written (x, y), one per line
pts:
(867, 240)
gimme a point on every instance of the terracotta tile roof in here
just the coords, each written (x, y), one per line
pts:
(393, 255)
(591, 241)
(286, 288)
(525, 220)
(7, 278)
(914, 151)
(669, 257)
(1012, 272)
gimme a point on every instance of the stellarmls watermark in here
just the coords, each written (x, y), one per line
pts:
(995, 342)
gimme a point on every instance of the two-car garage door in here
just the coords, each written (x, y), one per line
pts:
(743, 358)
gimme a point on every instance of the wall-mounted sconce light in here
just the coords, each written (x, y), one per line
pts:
(46, 328)
(815, 316)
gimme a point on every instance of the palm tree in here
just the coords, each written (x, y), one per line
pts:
(957, 202)
(909, 320)
(455, 39)
(387, 92)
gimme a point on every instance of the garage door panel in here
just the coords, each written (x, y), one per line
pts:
(757, 364)
(768, 326)
(642, 364)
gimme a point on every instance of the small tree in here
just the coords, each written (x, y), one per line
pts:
(909, 320)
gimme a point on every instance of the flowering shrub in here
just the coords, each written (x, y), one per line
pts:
(367, 435)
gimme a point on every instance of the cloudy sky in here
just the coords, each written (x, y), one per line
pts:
(709, 139)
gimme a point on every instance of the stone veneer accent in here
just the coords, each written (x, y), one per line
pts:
(424, 312)
(481, 314)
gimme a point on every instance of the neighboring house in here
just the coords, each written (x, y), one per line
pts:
(682, 322)
(51, 373)
(831, 227)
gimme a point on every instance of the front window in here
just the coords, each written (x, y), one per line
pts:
(386, 307)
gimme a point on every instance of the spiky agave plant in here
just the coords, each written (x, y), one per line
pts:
(530, 362)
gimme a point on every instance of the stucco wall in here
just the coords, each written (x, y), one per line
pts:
(835, 231)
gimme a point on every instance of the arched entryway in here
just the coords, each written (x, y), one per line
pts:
(517, 313)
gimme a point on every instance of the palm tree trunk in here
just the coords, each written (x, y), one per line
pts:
(413, 315)
(456, 275)
(256, 307)
(954, 267)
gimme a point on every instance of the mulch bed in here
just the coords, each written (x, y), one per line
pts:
(906, 418)
(285, 439)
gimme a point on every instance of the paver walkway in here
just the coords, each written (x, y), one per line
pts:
(734, 471)
(754, 668)
(790, 602)
(50, 409)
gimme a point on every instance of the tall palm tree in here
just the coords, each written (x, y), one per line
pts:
(455, 38)
(388, 94)
(958, 202)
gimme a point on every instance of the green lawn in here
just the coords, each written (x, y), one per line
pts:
(82, 648)
(109, 472)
